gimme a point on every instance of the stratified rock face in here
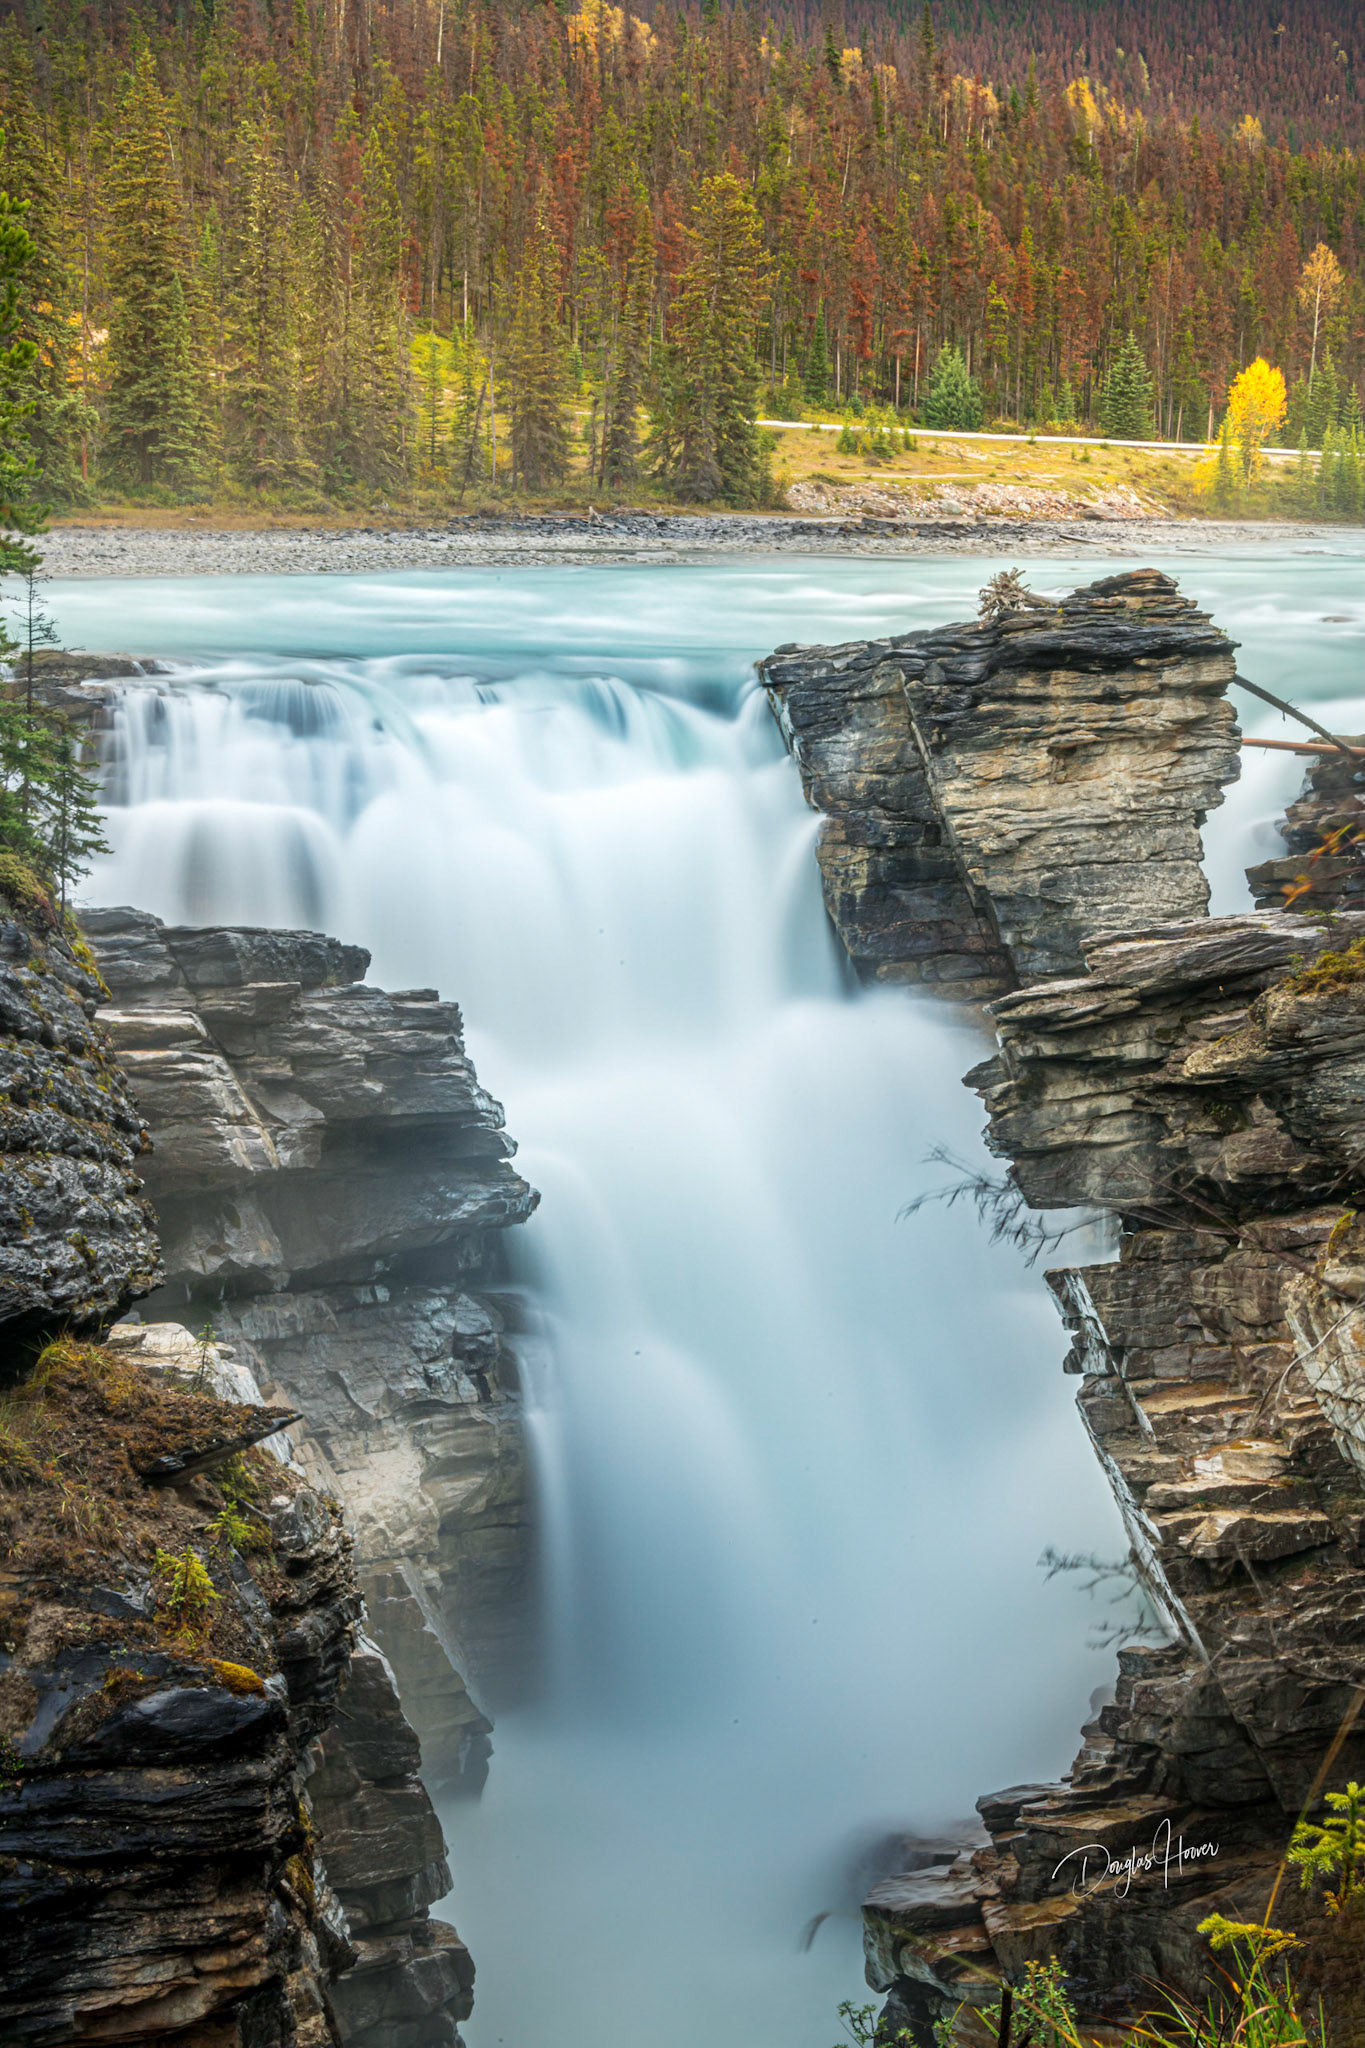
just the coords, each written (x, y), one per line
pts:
(1323, 867)
(1206, 1081)
(77, 1236)
(330, 1180)
(159, 1882)
(997, 791)
(894, 885)
(412, 1979)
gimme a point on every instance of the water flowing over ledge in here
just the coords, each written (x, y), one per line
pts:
(794, 1463)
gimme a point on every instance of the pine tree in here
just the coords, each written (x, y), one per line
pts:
(62, 422)
(953, 398)
(630, 359)
(469, 371)
(535, 369)
(374, 400)
(263, 428)
(1225, 482)
(815, 376)
(1323, 402)
(1126, 407)
(72, 827)
(1304, 485)
(20, 515)
(1066, 404)
(36, 628)
(154, 413)
(709, 396)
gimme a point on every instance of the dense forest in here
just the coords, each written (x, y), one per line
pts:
(332, 246)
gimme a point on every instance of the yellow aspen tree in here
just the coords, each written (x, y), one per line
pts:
(1256, 410)
(1319, 288)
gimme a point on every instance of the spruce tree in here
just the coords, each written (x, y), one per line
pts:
(535, 369)
(1126, 407)
(469, 371)
(154, 424)
(705, 418)
(1225, 475)
(72, 827)
(374, 404)
(20, 514)
(1304, 485)
(1324, 397)
(62, 423)
(630, 358)
(263, 429)
(953, 398)
(815, 376)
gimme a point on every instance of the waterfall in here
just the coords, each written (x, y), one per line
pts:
(795, 1459)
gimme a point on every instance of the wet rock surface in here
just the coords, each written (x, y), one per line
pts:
(1200, 1086)
(994, 791)
(77, 1236)
(1201, 1082)
(331, 1183)
(1323, 866)
(160, 1875)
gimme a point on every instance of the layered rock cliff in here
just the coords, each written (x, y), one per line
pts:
(996, 791)
(78, 1232)
(1203, 1082)
(330, 1182)
(193, 1761)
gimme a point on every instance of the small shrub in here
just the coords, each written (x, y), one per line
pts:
(185, 1592)
(1334, 1848)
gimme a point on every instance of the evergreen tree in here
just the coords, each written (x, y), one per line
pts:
(263, 429)
(1304, 485)
(470, 377)
(72, 827)
(1351, 415)
(1225, 477)
(630, 359)
(374, 395)
(1323, 403)
(154, 414)
(535, 369)
(63, 422)
(707, 404)
(953, 398)
(36, 628)
(431, 354)
(1066, 404)
(815, 376)
(20, 515)
(1126, 407)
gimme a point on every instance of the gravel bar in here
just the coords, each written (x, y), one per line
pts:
(483, 542)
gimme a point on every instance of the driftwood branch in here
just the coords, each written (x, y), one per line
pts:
(1292, 711)
(1315, 747)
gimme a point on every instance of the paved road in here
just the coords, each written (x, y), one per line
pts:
(1042, 440)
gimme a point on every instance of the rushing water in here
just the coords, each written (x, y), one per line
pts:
(795, 1458)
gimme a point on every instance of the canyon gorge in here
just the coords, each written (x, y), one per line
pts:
(294, 1188)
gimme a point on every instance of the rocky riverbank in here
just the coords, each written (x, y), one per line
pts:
(330, 1184)
(542, 540)
(213, 1824)
(991, 790)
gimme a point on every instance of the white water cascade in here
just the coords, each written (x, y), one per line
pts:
(795, 1459)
